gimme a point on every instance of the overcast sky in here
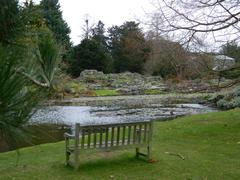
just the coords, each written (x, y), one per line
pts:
(111, 12)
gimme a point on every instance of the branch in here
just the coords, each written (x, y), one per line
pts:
(199, 23)
(32, 79)
(176, 154)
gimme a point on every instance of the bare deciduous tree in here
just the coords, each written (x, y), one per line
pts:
(87, 26)
(170, 59)
(191, 21)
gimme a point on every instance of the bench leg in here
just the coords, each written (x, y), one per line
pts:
(76, 159)
(137, 152)
(149, 153)
(67, 157)
(76, 148)
(66, 150)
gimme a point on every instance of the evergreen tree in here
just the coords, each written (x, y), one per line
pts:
(128, 47)
(98, 34)
(232, 50)
(9, 20)
(53, 18)
(32, 16)
(90, 54)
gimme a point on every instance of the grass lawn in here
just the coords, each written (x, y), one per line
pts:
(210, 144)
(153, 91)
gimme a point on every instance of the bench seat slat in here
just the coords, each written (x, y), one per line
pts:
(108, 137)
(113, 125)
(71, 148)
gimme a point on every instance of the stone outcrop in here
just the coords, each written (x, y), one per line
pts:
(125, 83)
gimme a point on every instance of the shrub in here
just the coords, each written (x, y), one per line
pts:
(223, 104)
(17, 100)
(237, 91)
(236, 102)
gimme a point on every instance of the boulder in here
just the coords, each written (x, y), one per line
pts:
(127, 83)
(91, 76)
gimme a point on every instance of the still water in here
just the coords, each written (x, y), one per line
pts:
(69, 115)
(49, 123)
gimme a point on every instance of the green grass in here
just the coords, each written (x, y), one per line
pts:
(210, 144)
(106, 92)
(153, 91)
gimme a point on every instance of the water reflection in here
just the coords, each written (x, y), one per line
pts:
(38, 134)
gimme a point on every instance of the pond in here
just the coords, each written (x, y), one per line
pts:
(50, 122)
(87, 115)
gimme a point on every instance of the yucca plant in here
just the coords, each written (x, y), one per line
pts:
(48, 57)
(43, 60)
(16, 100)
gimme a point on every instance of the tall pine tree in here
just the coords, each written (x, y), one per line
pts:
(9, 20)
(92, 52)
(98, 33)
(54, 20)
(128, 47)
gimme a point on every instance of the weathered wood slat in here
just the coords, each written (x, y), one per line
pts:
(109, 137)
(123, 134)
(94, 138)
(149, 147)
(66, 148)
(100, 141)
(95, 126)
(125, 145)
(106, 138)
(76, 146)
(118, 135)
(140, 133)
(83, 138)
(89, 137)
(134, 133)
(129, 134)
(112, 136)
(145, 133)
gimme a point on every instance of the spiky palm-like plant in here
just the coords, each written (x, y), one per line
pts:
(48, 58)
(16, 100)
(43, 60)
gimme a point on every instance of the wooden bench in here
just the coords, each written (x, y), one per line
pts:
(108, 137)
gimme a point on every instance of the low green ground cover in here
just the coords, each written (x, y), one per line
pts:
(153, 91)
(209, 143)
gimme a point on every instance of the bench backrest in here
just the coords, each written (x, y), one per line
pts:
(113, 135)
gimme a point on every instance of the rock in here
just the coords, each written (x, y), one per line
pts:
(128, 83)
(68, 90)
(91, 75)
(95, 86)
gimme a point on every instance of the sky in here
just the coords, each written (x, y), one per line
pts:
(110, 12)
